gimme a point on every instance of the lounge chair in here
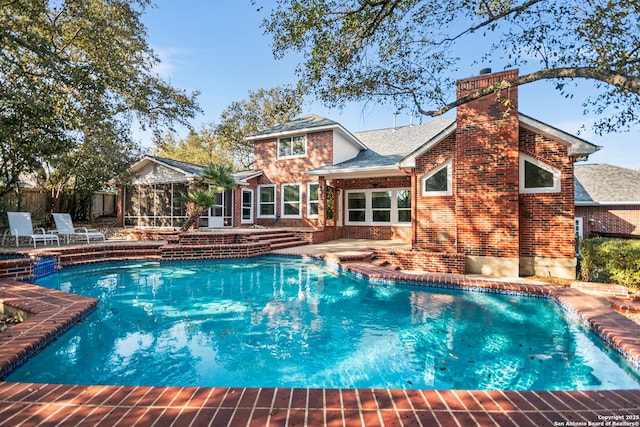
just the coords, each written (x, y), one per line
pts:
(20, 226)
(64, 227)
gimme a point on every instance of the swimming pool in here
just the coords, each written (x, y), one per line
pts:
(274, 322)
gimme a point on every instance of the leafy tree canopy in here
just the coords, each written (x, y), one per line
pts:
(262, 109)
(76, 75)
(405, 50)
(225, 143)
(201, 147)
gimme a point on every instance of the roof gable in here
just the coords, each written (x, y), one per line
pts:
(386, 149)
(578, 147)
(306, 124)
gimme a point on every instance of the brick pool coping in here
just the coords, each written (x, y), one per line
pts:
(54, 312)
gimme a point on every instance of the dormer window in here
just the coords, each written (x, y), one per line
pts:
(295, 146)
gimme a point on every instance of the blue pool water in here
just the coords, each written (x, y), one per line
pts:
(279, 322)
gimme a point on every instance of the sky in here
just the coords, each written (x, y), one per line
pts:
(219, 48)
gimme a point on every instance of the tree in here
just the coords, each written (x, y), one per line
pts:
(406, 50)
(75, 73)
(264, 108)
(200, 147)
(218, 178)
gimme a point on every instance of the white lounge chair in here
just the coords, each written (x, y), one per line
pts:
(20, 226)
(64, 227)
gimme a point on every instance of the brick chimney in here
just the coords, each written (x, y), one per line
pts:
(487, 176)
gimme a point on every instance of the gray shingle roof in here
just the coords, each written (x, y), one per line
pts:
(306, 122)
(386, 147)
(606, 184)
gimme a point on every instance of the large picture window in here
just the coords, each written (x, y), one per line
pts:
(295, 146)
(379, 207)
(538, 177)
(291, 201)
(438, 182)
(266, 201)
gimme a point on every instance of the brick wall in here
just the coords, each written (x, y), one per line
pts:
(293, 170)
(486, 170)
(433, 262)
(547, 219)
(435, 216)
(624, 220)
(16, 268)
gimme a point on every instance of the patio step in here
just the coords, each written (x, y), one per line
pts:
(283, 244)
(277, 239)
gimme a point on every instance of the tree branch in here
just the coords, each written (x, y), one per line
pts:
(620, 81)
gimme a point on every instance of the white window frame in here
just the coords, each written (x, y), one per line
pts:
(449, 190)
(243, 207)
(369, 207)
(310, 202)
(554, 171)
(260, 202)
(282, 201)
(292, 155)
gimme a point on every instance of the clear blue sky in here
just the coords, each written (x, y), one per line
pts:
(218, 48)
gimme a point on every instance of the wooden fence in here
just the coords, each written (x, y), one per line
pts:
(35, 201)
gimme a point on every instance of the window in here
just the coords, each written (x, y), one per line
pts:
(438, 182)
(538, 177)
(379, 207)
(247, 206)
(292, 147)
(312, 200)
(266, 201)
(291, 201)
(356, 207)
(403, 200)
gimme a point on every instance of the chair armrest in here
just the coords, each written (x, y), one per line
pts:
(39, 230)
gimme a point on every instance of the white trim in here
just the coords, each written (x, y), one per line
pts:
(577, 146)
(251, 207)
(272, 186)
(335, 127)
(368, 210)
(317, 201)
(448, 191)
(554, 171)
(282, 201)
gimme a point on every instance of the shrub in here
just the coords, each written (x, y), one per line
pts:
(611, 260)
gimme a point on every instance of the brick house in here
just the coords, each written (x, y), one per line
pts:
(491, 192)
(607, 200)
